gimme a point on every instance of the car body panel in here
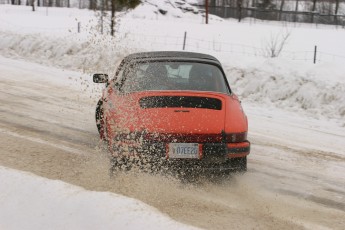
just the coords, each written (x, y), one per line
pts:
(129, 115)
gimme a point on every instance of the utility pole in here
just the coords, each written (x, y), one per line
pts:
(206, 6)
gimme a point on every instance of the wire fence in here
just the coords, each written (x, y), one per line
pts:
(225, 49)
(276, 15)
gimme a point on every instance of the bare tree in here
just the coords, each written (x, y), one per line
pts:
(275, 44)
(33, 5)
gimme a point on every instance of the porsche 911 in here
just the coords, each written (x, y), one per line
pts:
(175, 108)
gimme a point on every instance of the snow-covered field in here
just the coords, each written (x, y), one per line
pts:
(296, 111)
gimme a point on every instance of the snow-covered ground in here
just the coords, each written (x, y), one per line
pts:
(31, 202)
(296, 113)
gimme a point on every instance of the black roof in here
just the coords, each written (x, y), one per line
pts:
(171, 55)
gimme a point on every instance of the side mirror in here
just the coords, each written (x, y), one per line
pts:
(100, 78)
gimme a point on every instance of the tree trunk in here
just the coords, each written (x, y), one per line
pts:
(239, 7)
(314, 5)
(313, 10)
(281, 9)
(336, 7)
(112, 24)
(93, 5)
(206, 11)
(296, 10)
(33, 5)
(336, 11)
(102, 15)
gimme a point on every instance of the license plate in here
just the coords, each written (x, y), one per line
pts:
(183, 150)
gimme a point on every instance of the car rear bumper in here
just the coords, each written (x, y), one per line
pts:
(226, 151)
(209, 151)
(146, 155)
(235, 150)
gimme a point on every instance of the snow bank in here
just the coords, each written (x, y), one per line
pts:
(166, 9)
(31, 202)
(67, 52)
(292, 87)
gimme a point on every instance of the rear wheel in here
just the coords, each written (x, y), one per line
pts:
(240, 164)
(235, 165)
(100, 119)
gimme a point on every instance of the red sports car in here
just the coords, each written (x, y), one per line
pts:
(175, 108)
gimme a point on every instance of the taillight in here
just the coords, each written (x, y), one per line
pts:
(110, 90)
(235, 137)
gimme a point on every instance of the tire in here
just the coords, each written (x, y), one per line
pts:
(240, 164)
(99, 115)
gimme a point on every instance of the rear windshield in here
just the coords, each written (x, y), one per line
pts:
(143, 76)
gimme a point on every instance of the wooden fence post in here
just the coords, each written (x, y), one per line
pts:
(184, 40)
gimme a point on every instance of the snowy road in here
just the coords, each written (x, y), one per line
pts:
(296, 168)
